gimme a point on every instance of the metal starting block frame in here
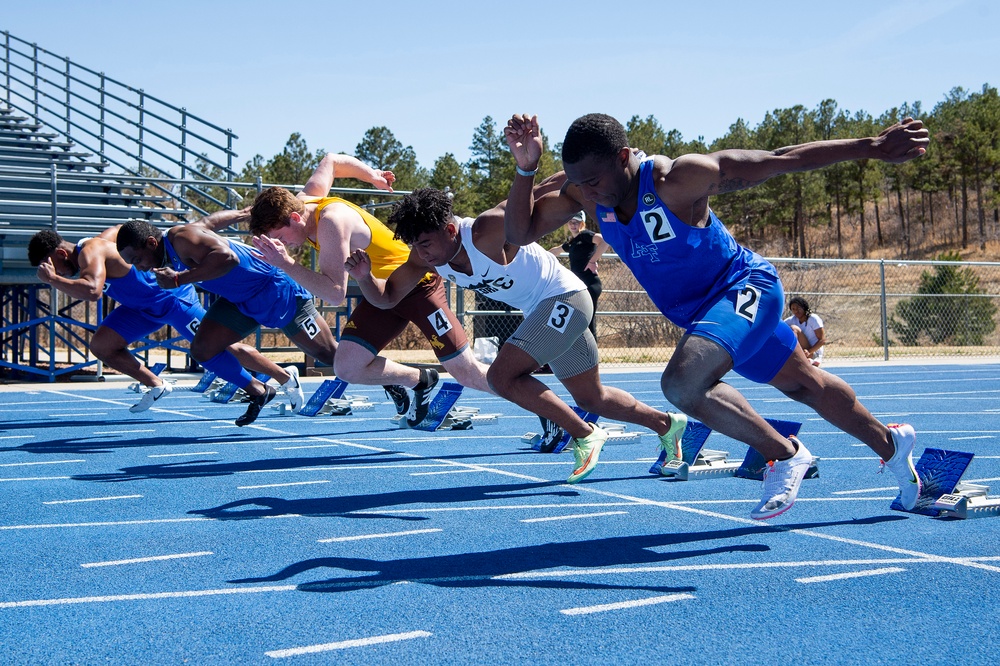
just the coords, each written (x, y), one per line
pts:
(206, 381)
(943, 494)
(444, 414)
(616, 433)
(329, 399)
(156, 369)
(229, 390)
(701, 463)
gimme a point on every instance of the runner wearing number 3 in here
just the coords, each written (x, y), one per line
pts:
(728, 299)
(557, 310)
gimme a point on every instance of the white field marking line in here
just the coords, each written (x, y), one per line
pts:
(342, 645)
(153, 595)
(450, 471)
(120, 432)
(115, 523)
(44, 462)
(959, 439)
(281, 485)
(621, 605)
(311, 446)
(93, 499)
(864, 490)
(574, 516)
(383, 535)
(513, 507)
(850, 574)
(62, 416)
(178, 455)
(154, 558)
(37, 478)
(18, 437)
(118, 403)
(559, 573)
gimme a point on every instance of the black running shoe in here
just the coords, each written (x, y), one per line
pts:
(552, 434)
(256, 404)
(399, 397)
(422, 397)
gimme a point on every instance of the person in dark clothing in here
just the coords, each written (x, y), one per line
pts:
(584, 247)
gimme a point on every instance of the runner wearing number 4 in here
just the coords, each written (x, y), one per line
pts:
(336, 228)
(557, 311)
(729, 300)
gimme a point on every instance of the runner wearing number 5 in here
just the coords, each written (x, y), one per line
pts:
(728, 299)
(557, 310)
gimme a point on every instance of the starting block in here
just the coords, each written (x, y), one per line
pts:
(702, 463)
(329, 399)
(156, 369)
(616, 433)
(942, 492)
(443, 414)
(207, 379)
(229, 390)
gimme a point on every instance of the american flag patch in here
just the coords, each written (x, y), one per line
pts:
(609, 217)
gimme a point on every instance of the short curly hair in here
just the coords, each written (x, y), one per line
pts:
(42, 245)
(595, 134)
(271, 209)
(802, 303)
(133, 234)
(422, 211)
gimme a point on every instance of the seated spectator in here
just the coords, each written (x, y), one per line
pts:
(808, 329)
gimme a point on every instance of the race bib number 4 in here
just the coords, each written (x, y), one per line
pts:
(439, 321)
(560, 316)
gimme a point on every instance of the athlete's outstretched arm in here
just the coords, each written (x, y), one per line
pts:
(207, 254)
(221, 219)
(529, 215)
(335, 165)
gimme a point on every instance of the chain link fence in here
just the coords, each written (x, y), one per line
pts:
(874, 309)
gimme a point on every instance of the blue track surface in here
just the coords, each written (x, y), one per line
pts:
(174, 537)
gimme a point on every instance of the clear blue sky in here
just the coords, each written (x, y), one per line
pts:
(431, 71)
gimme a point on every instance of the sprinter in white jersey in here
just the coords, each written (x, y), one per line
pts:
(557, 311)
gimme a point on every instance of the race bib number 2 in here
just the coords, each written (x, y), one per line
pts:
(747, 302)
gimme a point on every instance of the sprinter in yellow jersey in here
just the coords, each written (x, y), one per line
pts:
(336, 228)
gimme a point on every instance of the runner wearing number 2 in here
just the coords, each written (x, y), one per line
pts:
(728, 299)
(557, 310)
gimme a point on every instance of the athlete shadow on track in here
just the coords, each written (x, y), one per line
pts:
(347, 505)
(197, 469)
(482, 569)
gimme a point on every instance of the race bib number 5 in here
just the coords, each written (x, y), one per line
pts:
(309, 325)
(560, 316)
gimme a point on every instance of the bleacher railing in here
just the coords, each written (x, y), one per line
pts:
(121, 125)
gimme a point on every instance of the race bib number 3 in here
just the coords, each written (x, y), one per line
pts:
(439, 321)
(560, 316)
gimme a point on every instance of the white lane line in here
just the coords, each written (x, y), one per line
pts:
(559, 573)
(311, 446)
(180, 455)
(36, 478)
(573, 516)
(359, 537)
(44, 462)
(864, 490)
(584, 610)
(450, 471)
(44, 526)
(153, 595)
(502, 507)
(280, 485)
(18, 437)
(155, 558)
(849, 574)
(120, 432)
(341, 645)
(92, 499)
(958, 439)
(62, 416)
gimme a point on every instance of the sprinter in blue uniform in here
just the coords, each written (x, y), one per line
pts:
(250, 294)
(654, 212)
(93, 267)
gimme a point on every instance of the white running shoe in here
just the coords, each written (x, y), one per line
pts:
(151, 396)
(293, 389)
(782, 479)
(901, 464)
